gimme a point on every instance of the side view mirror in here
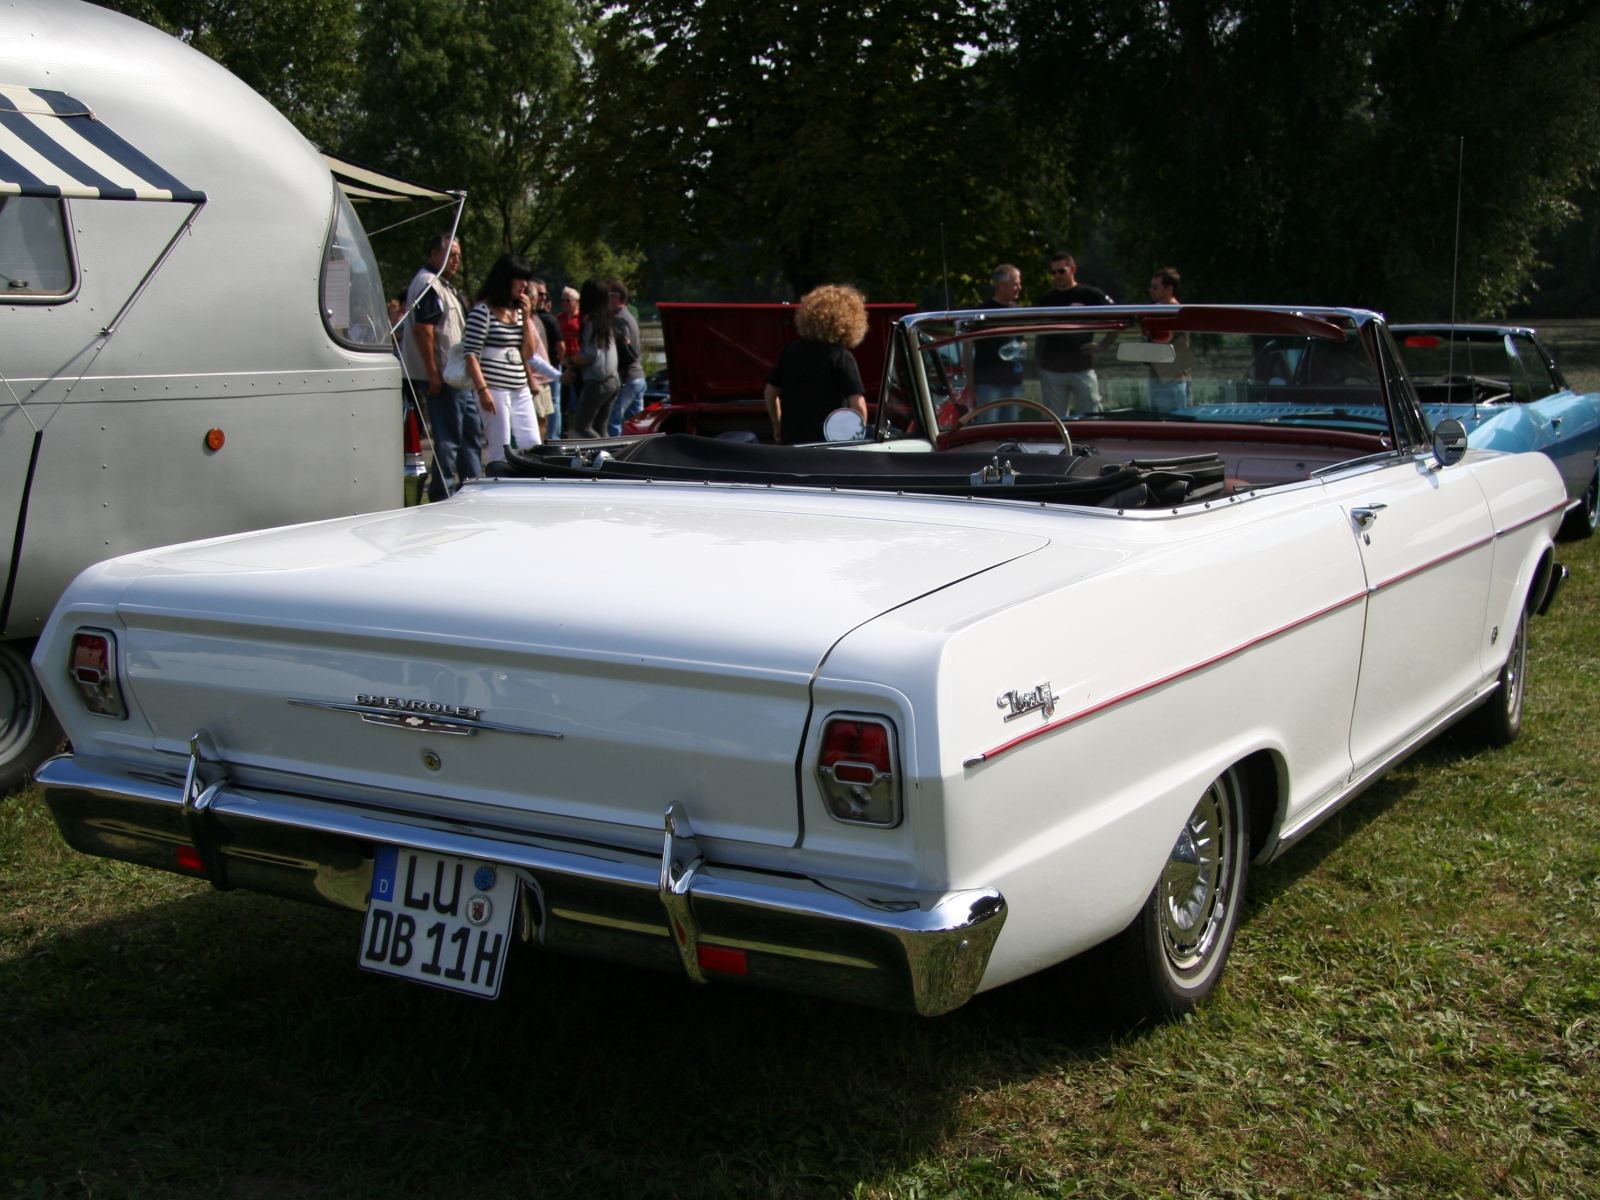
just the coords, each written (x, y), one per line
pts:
(846, 425)
(1449, 442)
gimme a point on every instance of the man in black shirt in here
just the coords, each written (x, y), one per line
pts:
(1067, 378)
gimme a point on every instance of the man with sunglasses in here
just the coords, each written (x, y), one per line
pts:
(1067, 379)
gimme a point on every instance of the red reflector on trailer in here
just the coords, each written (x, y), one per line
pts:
(720, 958)
(1422, 341)
(189, 859)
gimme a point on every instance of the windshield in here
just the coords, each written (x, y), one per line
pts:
(1482, 366)
(1113, 368)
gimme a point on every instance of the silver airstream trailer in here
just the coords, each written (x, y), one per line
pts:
(193, 338)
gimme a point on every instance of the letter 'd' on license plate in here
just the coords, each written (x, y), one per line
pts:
(438, 919)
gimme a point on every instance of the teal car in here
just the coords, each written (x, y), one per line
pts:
(1503, 385)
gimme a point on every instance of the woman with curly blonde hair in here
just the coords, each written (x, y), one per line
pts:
(817, 374)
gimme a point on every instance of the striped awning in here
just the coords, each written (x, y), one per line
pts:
(52, 145)
(363, 183)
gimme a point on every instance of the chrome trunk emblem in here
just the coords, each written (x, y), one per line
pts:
(1037, 699)
(424, 716)
(427, 708)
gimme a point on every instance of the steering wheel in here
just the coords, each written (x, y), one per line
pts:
(1066, 438)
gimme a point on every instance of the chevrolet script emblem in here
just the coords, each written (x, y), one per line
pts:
(424, 716)
(425, 708)
(1021, 703)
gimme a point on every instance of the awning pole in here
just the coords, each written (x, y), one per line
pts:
(111, 326)
(455, 224)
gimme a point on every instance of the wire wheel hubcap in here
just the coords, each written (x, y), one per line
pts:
(1196, 886)
(1516, 666)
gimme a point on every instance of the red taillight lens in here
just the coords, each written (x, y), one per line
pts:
(859, 747)
(93, 670)
(412, 440)
(1422, 341)
(856, 767)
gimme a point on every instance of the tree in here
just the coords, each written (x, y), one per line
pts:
(819, 140)
(482, 95)
(1306, 150)
(299, 54)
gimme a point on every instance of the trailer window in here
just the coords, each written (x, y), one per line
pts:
(352, 294)
(34, 258)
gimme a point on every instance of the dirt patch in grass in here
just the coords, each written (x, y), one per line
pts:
(1413, 1009)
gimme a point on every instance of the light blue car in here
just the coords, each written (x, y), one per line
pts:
(1502, 384)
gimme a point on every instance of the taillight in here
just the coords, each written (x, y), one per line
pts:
(93, 670)
(857, 768)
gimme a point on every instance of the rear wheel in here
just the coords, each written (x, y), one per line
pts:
(1582, 521)
(1499, 719)
(1170, 959)
(29, 733)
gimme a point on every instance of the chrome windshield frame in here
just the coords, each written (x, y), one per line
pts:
(972, 324)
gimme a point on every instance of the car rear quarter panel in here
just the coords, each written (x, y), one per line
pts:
(1213, 634)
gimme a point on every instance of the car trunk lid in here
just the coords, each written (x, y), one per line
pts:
(666, 635)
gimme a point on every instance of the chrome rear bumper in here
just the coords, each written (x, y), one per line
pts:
(679, 912)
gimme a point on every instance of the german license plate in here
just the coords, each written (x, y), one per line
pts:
(438, 919)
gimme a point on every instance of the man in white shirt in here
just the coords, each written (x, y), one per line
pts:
(435, 321)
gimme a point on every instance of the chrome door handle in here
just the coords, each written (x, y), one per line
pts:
(1555, 422)
(1366, 514)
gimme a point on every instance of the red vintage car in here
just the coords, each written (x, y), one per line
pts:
(718, 356)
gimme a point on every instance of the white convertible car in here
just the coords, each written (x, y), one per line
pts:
(893, 720)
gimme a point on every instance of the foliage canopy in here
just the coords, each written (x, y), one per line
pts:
(1306, 150)
(824, 139)
(1274, 150)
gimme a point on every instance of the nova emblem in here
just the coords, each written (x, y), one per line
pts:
(1021, 703)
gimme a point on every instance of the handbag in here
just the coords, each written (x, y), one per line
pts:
(455, 367)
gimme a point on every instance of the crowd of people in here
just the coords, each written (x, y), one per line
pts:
(511, 369)
(508, 370)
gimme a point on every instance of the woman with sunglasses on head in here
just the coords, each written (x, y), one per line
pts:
(499, 339)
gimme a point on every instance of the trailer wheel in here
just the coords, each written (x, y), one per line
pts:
(29, 731)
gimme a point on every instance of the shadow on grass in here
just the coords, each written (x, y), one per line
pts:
(227, 1044)
(1453, 746)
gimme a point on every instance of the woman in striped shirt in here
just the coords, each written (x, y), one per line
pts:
(498, 341)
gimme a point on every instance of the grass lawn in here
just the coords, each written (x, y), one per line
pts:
(1413, 1009)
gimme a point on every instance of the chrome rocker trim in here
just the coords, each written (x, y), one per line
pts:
(675, 910)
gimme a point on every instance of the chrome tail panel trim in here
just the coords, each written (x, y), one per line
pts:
(673, 910)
